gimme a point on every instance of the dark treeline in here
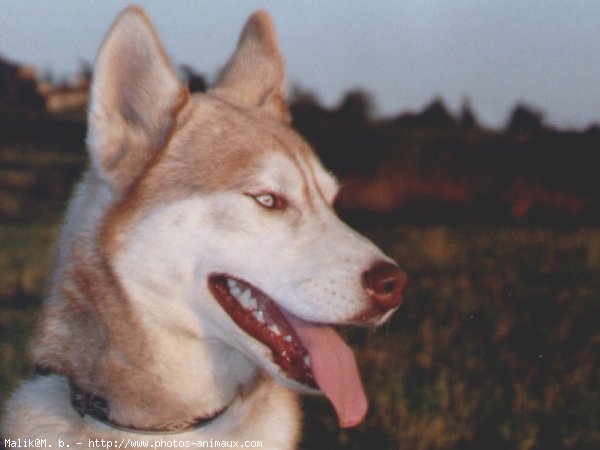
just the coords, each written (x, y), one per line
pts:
(424, 167)
(431, 166)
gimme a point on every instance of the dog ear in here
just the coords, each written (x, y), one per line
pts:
(135, 97)
(255, 74)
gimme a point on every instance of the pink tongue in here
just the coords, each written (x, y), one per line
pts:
(334, 368)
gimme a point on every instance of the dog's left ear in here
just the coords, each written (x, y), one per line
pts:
(135, 97)
(255, 74)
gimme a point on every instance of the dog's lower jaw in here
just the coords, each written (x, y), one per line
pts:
(40, 408)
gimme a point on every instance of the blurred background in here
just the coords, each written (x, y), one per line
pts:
(466, 136)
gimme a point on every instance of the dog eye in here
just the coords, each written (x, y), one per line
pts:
(270, 201)
(266, 200)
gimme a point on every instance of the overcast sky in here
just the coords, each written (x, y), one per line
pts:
(404, 52)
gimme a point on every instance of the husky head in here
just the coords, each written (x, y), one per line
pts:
(216, 217)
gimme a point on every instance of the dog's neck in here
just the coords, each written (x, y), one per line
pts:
(151, 377)
(93, 333)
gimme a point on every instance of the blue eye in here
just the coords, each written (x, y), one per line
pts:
(266, 200)
(269, 200)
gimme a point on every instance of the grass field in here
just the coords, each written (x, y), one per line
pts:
(496, 347)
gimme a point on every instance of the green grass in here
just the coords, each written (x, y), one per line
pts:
(25, 256)
(496, 346)
(16, 327)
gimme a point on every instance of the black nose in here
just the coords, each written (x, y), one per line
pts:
(384, 283)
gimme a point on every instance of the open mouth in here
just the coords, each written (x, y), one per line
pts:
(311, 354)
(255, 313)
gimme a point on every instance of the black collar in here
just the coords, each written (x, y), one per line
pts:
(86, 404)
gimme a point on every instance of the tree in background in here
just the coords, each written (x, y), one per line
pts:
(525, 119)
(196, 81)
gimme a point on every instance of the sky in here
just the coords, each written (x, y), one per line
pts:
(495, 53)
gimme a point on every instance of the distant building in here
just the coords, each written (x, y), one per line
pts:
(66, 98)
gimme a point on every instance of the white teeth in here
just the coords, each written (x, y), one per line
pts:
(274, 329)
(250, 304)
(245, 296)
(307, 360)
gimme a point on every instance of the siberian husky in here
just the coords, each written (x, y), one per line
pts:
(200, 266)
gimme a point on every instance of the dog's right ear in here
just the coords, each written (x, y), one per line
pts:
(135, 97)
